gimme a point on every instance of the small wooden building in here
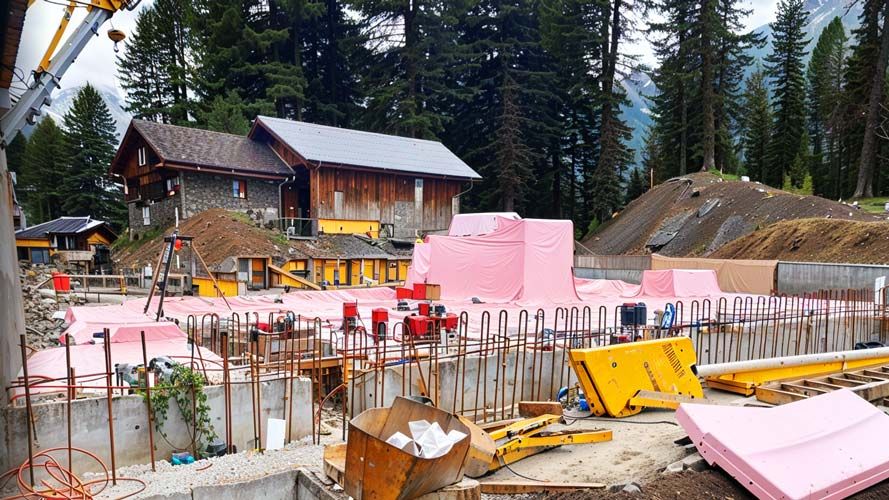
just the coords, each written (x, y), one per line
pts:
(80, 240)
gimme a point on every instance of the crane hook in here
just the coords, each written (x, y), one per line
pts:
(116, 36)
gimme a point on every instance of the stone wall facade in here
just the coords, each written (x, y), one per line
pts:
(162, 214)
(204, 191)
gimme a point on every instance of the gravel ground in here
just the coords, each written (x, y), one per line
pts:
(170, 479)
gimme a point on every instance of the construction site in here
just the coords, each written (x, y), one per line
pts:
(715, 339)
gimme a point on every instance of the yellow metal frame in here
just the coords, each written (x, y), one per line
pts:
(619, 380)
(529, 437)
(109, 5)
(745, 383)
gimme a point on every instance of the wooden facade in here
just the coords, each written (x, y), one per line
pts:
(349, 192)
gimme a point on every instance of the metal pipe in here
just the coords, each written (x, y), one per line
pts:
(148, 401)
(107, 335)
(790, 361)
(28, 410)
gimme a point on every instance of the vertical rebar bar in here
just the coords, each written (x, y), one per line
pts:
(109, 394)
(148, 400)
(28, 409)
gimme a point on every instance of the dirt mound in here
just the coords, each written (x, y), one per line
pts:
(699, 213)
(217, 234)
(814, 240)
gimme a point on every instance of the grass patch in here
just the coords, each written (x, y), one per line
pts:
(726, 176)
(124, 243)
(874, 205)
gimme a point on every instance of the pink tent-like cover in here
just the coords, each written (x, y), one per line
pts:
(527, 261)
(825, 447)
(477, 224)
(677, 283)
(88, 361)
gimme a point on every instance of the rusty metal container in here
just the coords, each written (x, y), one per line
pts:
(378, 470)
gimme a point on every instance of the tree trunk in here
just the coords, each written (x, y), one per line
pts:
(609, 142)
(410, 63)
(707, 97)
(332, 50)
(865, 186)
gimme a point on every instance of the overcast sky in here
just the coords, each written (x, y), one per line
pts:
(96, 63)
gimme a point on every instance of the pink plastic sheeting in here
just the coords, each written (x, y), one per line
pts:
(828, 446)
(527, 261)
(82, 332)
(599, 288)
(88, 360)
(678, 283)
(476, 224)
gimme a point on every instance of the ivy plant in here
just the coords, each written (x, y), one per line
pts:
(183, 384)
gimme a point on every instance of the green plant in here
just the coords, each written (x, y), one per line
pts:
(186, 387)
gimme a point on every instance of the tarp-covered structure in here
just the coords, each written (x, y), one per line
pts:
(527, 261)
(479, 223)
(736, 276)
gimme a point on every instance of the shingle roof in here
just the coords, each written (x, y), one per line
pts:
(62, 225)
(194, 146)
(365, 149)
(343, 246)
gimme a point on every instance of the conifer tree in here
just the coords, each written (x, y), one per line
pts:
(91, 139)
(784, 66)
(867, 159)
(44, 167)
(226, 114)
(757, 127)
(825, 92)
(15, 153)
(154, 70)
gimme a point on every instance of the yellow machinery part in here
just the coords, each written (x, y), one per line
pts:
(522, 447)
(611, 376)
(745, 383)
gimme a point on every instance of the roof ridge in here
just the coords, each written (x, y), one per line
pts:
(151, 123)
(352, 130)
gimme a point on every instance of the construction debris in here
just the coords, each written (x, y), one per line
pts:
(43, 327)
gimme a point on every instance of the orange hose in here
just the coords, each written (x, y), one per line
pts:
(67, 484)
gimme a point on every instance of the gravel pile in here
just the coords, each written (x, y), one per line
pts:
(43, 331)
(171, 479)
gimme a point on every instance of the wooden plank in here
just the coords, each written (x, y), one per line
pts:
(823, 385)
(516, 487)
(777, 396)
(802, 389)
(845, 382)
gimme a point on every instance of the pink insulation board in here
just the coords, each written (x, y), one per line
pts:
(826, 447)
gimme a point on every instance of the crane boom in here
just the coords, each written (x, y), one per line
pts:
(52, 68)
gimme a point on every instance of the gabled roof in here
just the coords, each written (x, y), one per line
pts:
(62, 225)
(205, 148)
(344, 147)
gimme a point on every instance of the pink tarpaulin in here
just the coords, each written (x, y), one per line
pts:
(590, 289)
(678, 283)
(476, 224)
(527, 261)
(825, 447)
(88, 360)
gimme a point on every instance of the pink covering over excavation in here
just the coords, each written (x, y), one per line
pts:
(526, 261)
(826, 447)
(678, 283)
(476, 224)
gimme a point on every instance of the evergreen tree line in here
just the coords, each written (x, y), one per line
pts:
(526, 91)
(63, 171)
(815, 126)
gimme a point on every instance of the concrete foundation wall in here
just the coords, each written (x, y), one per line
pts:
(800, 277)
(629, 275)
(480, 384)
(131, 444)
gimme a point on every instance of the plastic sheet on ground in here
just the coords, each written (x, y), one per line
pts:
(826, 447)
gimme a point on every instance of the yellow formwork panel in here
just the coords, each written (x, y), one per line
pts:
(611, 376)
(745, 383)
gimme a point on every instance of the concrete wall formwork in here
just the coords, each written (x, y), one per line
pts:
(131, 441)
(801, 277)
(481, 386)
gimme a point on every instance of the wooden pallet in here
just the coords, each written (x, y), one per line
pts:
(870, 383)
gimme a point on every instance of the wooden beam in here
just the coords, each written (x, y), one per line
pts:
(516, 487)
